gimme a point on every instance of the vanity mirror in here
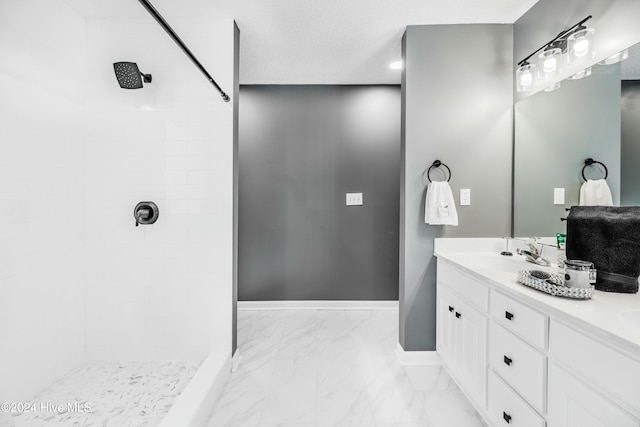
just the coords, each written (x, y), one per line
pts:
(594, 117)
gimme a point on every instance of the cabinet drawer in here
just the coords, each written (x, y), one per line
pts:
(614, 372)
(521, 319)
(465, 286)
(506, 408)
(519, 364)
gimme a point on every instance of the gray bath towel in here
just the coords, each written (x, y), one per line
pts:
(609, 237)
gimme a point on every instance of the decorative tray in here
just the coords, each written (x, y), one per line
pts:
(553, 284)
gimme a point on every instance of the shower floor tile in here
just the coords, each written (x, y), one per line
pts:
(331, 368)
(108, 394)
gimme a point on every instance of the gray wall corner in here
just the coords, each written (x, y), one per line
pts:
(466, 123)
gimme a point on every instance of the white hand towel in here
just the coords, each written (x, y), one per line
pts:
(440, 208)
(595, 193)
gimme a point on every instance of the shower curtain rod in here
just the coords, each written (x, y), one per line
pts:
(156, 15)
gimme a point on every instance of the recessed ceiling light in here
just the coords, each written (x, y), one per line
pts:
(397, 65)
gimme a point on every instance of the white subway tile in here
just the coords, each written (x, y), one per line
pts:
(188, 163)
(191, 133)
(176, 177)
(176, 148)
(177, 206)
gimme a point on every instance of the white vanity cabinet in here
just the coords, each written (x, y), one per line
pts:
(523, 360)
(462, 330)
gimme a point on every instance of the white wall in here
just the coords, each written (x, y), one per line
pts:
(77, 279)
(161, 291)
(41, 194)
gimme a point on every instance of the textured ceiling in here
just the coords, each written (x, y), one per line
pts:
(320, 41)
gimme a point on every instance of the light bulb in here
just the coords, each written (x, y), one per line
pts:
(549, 65)
(397, 65)
(525, 77)
(581, 45)
(581, 48)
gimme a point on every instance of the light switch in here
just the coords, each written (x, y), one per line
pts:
(558, 196)
(465, 196)
(354, 199)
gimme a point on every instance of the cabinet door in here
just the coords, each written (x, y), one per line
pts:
(445, 333)
(574, 404)
(471, 350)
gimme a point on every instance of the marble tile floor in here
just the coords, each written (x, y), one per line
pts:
(107, 394)
(333, 368)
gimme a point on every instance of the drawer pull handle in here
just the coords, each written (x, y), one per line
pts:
(451, 309)
(508, 361)
(508, 315)
(458, 315)
(506, 417)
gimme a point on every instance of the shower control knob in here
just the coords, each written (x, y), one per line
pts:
(146, 213)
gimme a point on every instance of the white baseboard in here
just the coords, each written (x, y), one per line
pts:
(317, 305)
(417, 358)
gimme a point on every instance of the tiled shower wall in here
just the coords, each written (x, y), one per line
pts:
(159, 291)
(78, 280)
(41, 194)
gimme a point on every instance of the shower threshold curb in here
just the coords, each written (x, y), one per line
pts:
(198, 400)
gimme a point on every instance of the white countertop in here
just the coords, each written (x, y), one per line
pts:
(603, 312)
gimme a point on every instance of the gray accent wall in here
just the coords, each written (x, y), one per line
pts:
(554, 133)
(302, 148)
(630, 187)
(457, 106)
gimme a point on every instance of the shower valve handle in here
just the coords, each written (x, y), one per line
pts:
(145, 213)
(141, 215)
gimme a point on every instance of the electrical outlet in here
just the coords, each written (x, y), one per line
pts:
(558, 196)
(465, 196)
(354, 199)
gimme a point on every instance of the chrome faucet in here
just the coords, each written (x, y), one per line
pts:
(533, 255)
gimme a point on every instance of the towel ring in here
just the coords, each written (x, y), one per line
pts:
(589, 162)
(437, 164)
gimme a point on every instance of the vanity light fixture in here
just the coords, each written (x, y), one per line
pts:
(614, 59)
(576, 41)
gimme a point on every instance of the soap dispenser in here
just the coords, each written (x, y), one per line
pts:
(561, 240)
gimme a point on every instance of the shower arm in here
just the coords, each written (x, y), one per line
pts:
(156, 15)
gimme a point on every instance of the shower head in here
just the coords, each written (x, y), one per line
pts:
(129, 76)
